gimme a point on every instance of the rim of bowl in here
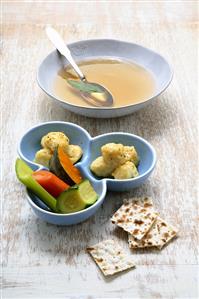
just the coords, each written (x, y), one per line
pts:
(152, 149)
(108, 108)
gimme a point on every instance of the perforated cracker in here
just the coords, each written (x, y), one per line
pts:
(158, 236)
(110, 257)
(134, 219)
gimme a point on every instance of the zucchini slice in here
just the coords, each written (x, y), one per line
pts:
(76, 198)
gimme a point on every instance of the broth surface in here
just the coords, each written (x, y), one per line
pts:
(129, 83)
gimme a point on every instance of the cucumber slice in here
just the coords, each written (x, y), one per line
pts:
(76, 198)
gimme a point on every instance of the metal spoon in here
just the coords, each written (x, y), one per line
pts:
(106, 98)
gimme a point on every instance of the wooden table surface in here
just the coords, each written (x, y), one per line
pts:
(45, 261)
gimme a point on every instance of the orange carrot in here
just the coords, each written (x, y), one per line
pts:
(50, 182)
(72, 171)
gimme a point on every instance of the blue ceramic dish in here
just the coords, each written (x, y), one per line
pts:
(105, 48)
(30, 143)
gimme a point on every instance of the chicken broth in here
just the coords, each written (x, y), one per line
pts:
(129, 83)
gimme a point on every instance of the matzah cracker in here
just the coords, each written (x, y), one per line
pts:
(110, 257)
(144, 201)
(151, 239)
(166, 232)
(160, 234)
(134, 219)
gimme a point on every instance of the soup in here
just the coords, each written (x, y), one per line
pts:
(129, 83)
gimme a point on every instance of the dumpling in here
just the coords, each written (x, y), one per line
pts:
(126, 171)
(74, 152)
(53, 139)
(101, 168)
(131, 154)
(113, 154)
(43, 157)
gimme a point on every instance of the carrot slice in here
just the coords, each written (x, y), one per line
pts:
(72, 171)
(50, 182)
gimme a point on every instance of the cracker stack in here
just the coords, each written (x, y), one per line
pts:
(145, 228)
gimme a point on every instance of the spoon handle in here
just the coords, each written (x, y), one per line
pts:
(59, 43)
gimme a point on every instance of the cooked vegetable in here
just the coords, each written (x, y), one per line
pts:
(24, 174)
(126, 171)
(56, 168)
(54, 139)
(50, 182)
(43, 157)
(61, 165)
(72, 171)
(76, 198)
(74, 152)
(100, 168)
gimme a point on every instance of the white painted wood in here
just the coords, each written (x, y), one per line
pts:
(145, 281)
(45, 261)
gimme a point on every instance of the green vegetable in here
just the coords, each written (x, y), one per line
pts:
(76, 198)
(84, 86)
(24, 175)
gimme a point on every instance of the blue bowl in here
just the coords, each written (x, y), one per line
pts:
(103, 49)
(30, 144)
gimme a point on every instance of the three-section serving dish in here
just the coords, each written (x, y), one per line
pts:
(30, 144)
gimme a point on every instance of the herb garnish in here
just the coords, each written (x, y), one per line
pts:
(85, 86)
